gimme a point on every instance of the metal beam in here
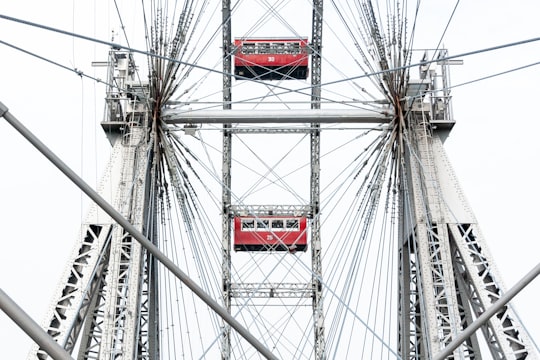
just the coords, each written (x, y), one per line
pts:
(293, 116)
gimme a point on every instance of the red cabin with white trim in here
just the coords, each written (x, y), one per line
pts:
(270, 233)
(271, 59)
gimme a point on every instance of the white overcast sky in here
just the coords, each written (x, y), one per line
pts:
(494, 146)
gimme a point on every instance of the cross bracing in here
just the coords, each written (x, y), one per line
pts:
(375, 189)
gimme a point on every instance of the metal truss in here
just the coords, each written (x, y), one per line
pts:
(315, 138)
(226, 195)
(271, 290)
(103, 265)
(438, 296)
(120, 320)
(505, 337)
(410, 324)
(447, 277)
(278, 210)
(75, 295)
(104, 297)
(271, 130)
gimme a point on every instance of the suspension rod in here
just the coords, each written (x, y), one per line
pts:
(132, 230)
(290, 116)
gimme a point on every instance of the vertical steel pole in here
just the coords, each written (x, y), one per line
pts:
(316, 265)
(226, 176)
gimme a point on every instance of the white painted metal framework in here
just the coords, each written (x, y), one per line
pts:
(106, 297)
(226, 175)
(447, 277)
(108, 304)
(315, 185)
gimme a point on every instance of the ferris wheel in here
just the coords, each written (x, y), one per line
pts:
(286, 199)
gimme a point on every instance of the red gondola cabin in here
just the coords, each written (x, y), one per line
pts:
(271, 59)
(270, 233)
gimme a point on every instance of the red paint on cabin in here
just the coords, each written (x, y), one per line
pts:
(270, 233)
(271, 59)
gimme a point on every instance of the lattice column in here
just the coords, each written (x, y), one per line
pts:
(427, 238)
(410, 324)
(475, 269)
(316, 263)
(123, 296)
(226, 176)
(448, 277)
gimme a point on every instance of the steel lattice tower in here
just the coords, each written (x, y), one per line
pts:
(447, 278)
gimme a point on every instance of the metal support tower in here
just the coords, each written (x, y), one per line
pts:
(447, 277)
(104, 296)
